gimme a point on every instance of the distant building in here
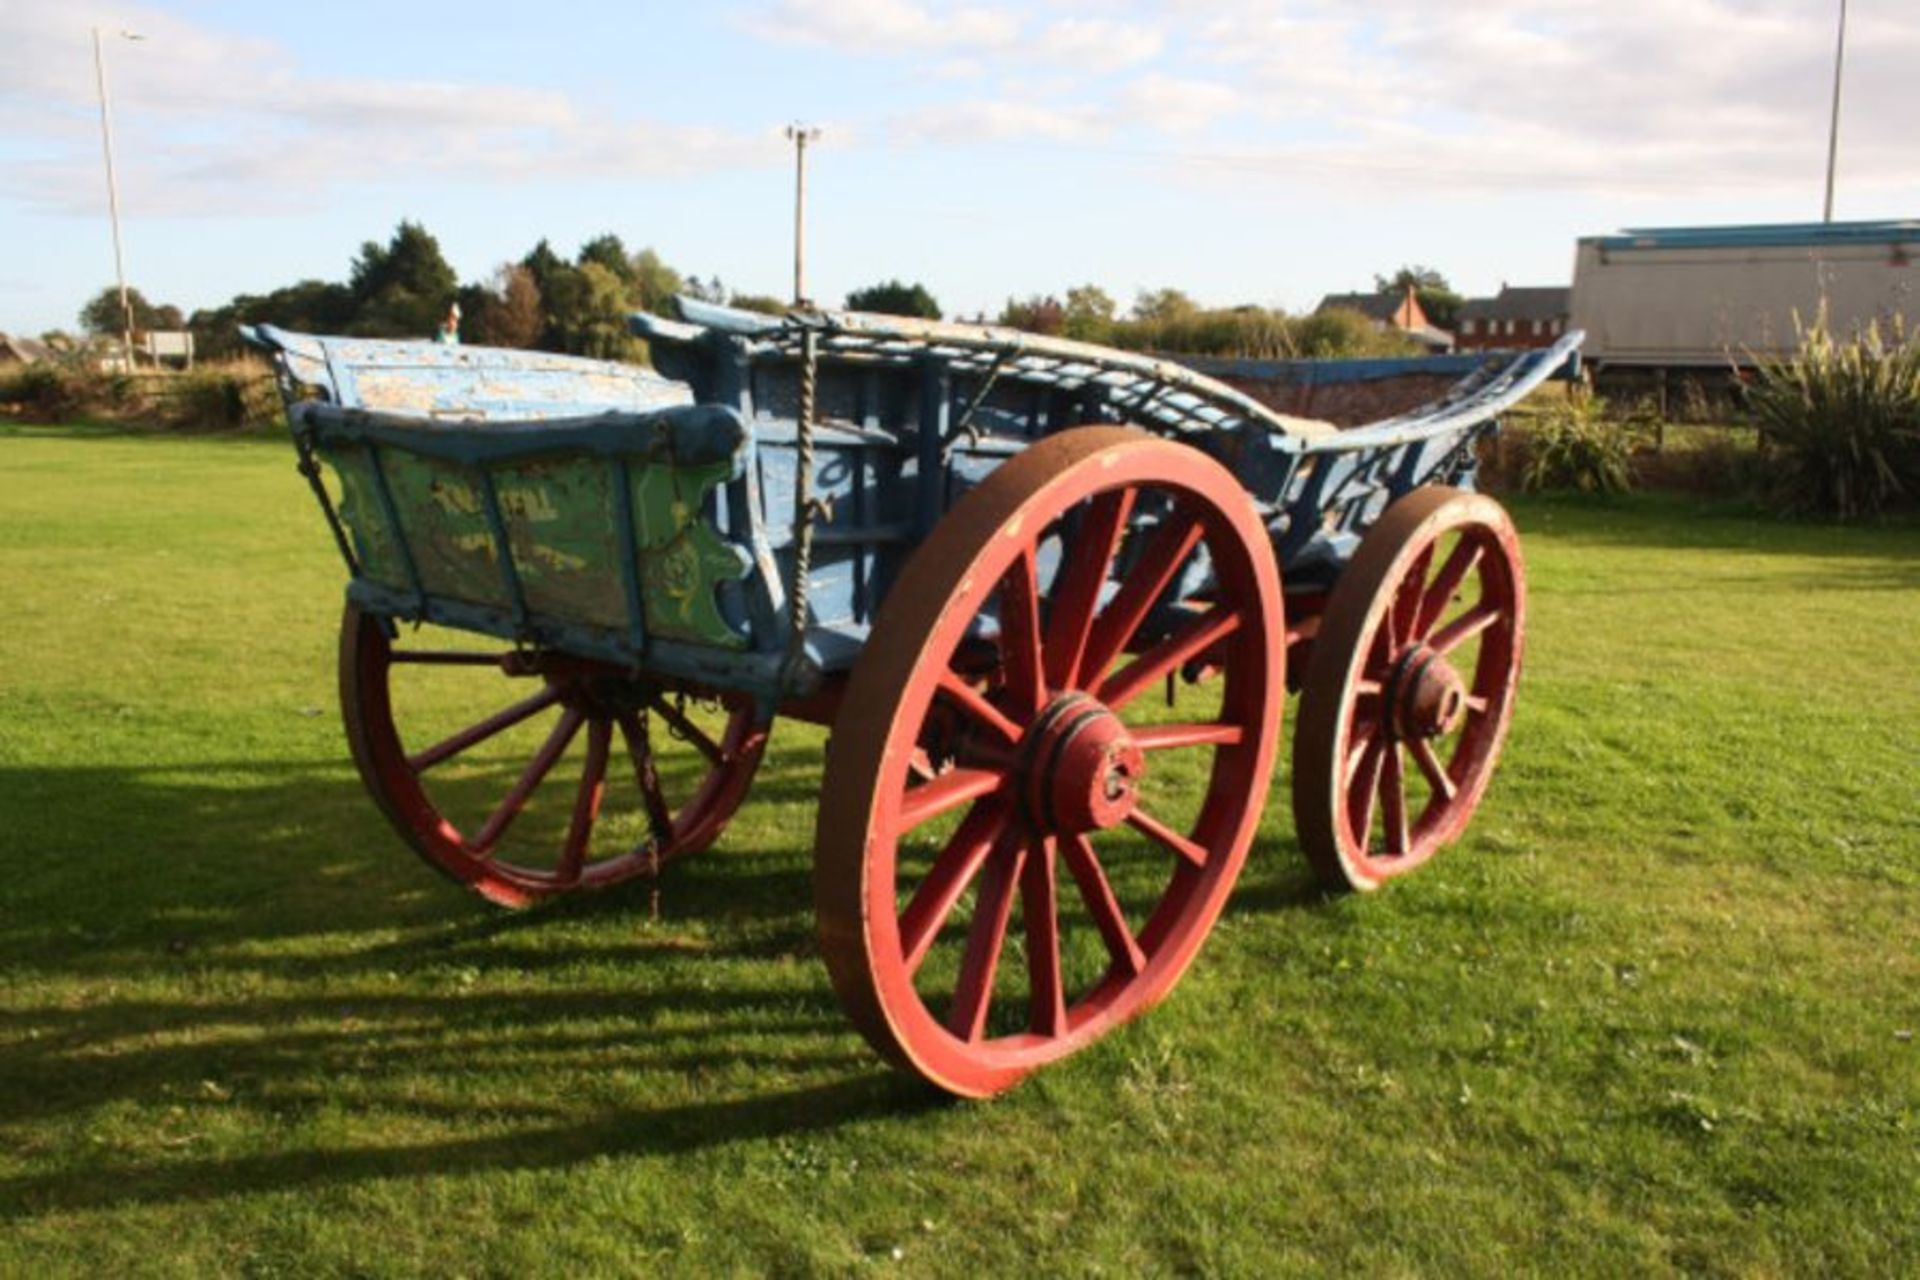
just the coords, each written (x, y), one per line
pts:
(1390, 311)
(1517, 318)
(23, 350)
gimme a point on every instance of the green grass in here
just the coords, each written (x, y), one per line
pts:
(1654, 1016)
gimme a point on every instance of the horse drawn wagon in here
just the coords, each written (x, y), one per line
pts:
(1049, 598)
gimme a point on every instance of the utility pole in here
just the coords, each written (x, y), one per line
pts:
(800, 135)
(113, 196)
(1833, 129)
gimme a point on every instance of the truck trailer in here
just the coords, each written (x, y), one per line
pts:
(1707, 301)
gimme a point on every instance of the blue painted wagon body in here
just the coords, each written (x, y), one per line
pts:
(737, 525)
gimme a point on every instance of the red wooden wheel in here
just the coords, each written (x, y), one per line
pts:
(464, 793)
(1409, 688)
(997, 731)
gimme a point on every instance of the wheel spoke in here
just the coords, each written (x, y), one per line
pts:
(1464, 628)
(1409, 595)
(985, 938)
(1040, 910)
(1076, 591)
(1097, 893)
(975, 704)
(1172, 543)
(1393, 799)
(1364, 789)
(1161, 737)
(950, 790)
(1435, 772)
(1020, 631)
(523, 787)
(640, 750)
(1154, 829)
(692, 732)
(1440, 594)
(446, 657)
(586, 801)
(953, 870)
(474, 734)
(1189, 640)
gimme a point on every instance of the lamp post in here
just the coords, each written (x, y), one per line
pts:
(1833, 127)
(113, 195)
(800, 135)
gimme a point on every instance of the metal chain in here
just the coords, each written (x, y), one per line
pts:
(804, 508)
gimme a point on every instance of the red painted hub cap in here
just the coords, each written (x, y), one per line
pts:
(1083, 768)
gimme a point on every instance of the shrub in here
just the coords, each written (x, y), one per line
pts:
(1839, 423)
(54, 392)
(1577, 447)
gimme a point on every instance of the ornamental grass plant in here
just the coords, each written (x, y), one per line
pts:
(1839, 423)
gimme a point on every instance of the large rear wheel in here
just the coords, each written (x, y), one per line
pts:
(999, 754)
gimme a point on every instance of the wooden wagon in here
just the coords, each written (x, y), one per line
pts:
(1050, 599)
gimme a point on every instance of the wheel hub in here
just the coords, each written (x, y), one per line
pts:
(1425, 695)
(1082, 767)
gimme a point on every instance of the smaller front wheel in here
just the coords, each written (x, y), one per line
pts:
(1410, 687)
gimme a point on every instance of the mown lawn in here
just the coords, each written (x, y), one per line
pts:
(1657, 1014)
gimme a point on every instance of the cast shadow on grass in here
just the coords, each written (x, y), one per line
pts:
(262, 950)
(261, 945)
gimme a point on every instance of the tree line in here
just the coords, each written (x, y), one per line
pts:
(578, 305)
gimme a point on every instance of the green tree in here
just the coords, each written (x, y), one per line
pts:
(1163, 306)
(586, 313)
(309, 306)
(402, 289)
(1041, 314)
(655, 283)
(1437, 298)
(1089, 314)
(895, 298)
(103, 314)
(507, 312)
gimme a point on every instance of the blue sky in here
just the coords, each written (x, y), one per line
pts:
(1245, 150)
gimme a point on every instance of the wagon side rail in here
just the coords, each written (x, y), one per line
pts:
(433, 381)
(1343, 483)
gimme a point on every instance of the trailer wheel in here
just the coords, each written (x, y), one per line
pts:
(997, 745)
(469, 820)
(1409, 688)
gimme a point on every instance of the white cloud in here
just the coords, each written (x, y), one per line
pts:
(885, 26)
(1174, 105)
(210, 122)
(1098, 45)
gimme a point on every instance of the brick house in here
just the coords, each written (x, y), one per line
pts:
(1391, 311)
(1517, 318)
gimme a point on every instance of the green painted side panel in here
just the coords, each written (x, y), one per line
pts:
(443, 516)
(682, 559)
(360, 508)
(561, 523)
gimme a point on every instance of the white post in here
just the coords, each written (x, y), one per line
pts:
(113, 203)
(800, 136)
(1833, 130)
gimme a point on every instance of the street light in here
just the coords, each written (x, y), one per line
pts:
(800, 135)
(1833, 128)
(113, 194)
